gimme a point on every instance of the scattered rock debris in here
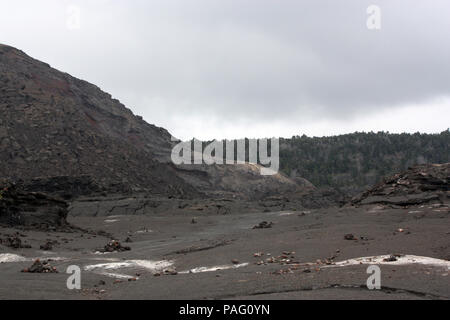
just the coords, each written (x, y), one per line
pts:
(14, 241)
(88, 292)
(304, 213)
(128, 240)
(402, 230)
(40, 267)
(48, 245)
(392, 258)
(264, 225)
(284, 271)
(350, 236)
(170, 271)
(286, 257)
(114, 246)
(100, 283)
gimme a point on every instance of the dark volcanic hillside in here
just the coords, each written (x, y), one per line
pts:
(65, 136)
(52, 124)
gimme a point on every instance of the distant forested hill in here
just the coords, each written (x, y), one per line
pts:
(355, 161)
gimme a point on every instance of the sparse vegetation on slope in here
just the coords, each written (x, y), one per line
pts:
(353, 162)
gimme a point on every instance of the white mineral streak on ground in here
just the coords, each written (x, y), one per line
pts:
(117, 275)
(51, 258)
(108, 266)
(105, 259)
(376, 209)
(102, 253)
(10, 257)
(215, 268)
(401, 260)
(286, 214)
(144, 231)
(152, 266)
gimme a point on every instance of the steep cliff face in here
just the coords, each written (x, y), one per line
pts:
(52, 124)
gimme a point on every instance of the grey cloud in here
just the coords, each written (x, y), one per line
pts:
(257, 59)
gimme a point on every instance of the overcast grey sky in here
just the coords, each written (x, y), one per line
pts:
(254, 68)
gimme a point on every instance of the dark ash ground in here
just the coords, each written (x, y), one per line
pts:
(230, 241)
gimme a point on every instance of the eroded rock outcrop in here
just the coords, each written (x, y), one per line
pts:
(31, 209)
(417, 185)
(243, 181)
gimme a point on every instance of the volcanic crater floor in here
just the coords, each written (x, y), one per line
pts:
(311, 254)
